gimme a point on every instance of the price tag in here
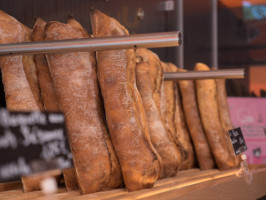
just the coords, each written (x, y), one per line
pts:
(29, 136)
(237, 140)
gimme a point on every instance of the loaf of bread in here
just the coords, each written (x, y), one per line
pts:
(75, 81)
(168, 102)
(192, 116)
(140, 163)
(45, 80)
(209, 112)
(225, 114)
(18, 72)
(181, 132)
(31, 71)
(33, 182)
(149, 75)
(115, 170)
(70, 179)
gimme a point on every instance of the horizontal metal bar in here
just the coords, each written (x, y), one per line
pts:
(147, 40)
(213, 74)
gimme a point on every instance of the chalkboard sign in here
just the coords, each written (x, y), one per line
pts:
(237, 140)
(29, 136)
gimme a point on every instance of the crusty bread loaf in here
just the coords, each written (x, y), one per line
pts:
(126, 121)
(21, 89)
(70, 179)
(74, 77)
(192, 116)
(48, 94)
(225, 114)
(209, 112)
(149, 74)
(31, 71)
(181, 132)
(115, 169)
(168, 102)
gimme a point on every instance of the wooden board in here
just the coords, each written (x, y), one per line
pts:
(188, 184)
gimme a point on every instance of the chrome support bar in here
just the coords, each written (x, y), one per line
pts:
(213, 74)
(147, 40)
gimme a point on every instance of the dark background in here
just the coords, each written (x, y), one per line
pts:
(235, 35)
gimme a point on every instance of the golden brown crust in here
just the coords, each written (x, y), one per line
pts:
(168, 102)
(115, 167)
(21, 93)
(74, 77)
(181, 131)
(124, 110)
(201, 145)
(208, 107)
(45, 80)
(70, 179)
(149, 76)
(225, 115)
(31, 71)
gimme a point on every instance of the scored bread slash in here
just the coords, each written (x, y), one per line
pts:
(125, 115)
(192, 116)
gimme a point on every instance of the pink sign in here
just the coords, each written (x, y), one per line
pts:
(250, 115)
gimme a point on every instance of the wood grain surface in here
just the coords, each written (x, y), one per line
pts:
(192, 184)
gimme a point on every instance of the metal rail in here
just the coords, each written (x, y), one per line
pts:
(147, 40)
(213, 74)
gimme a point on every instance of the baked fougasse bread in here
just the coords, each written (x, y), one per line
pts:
(74, 77)
(18, 72)
(149, 75)
(140, 163)
(181, 132)
(194, 124)
(47, 88)
(209, 112)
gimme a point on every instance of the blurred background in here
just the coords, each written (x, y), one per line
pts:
(220, 33)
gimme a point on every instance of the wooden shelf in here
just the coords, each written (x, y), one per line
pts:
(188, 184)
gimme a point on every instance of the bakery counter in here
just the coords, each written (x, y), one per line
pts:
(188, 184)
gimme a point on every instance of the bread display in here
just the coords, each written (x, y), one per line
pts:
(48, 94)
(140, 163)
(209, 113)
(74, 77)
(192, 116)
(126, 125)
(18, 72)
(149, 74)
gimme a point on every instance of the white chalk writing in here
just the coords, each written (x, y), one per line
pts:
(7, 119)
(56, 118)
(8, 140)
(14, 168)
